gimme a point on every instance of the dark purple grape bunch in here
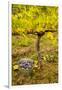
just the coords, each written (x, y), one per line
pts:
(26, 63)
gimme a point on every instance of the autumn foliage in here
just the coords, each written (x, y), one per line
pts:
(35, 36)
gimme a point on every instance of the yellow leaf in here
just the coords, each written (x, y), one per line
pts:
(50, 35)
(44, 58)
(36, 62)
(15, 67)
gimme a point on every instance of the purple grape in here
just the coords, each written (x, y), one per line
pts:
(26, 63)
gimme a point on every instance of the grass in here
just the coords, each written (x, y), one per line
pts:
(47, 74)
(24, 46)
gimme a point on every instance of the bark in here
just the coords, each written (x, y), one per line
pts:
(38, 50)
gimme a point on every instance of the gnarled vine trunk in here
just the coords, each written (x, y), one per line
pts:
(39, 35)
(38, 50)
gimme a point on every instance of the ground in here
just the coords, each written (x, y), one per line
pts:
(25, 46)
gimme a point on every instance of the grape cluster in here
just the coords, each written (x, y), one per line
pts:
(26, 63)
